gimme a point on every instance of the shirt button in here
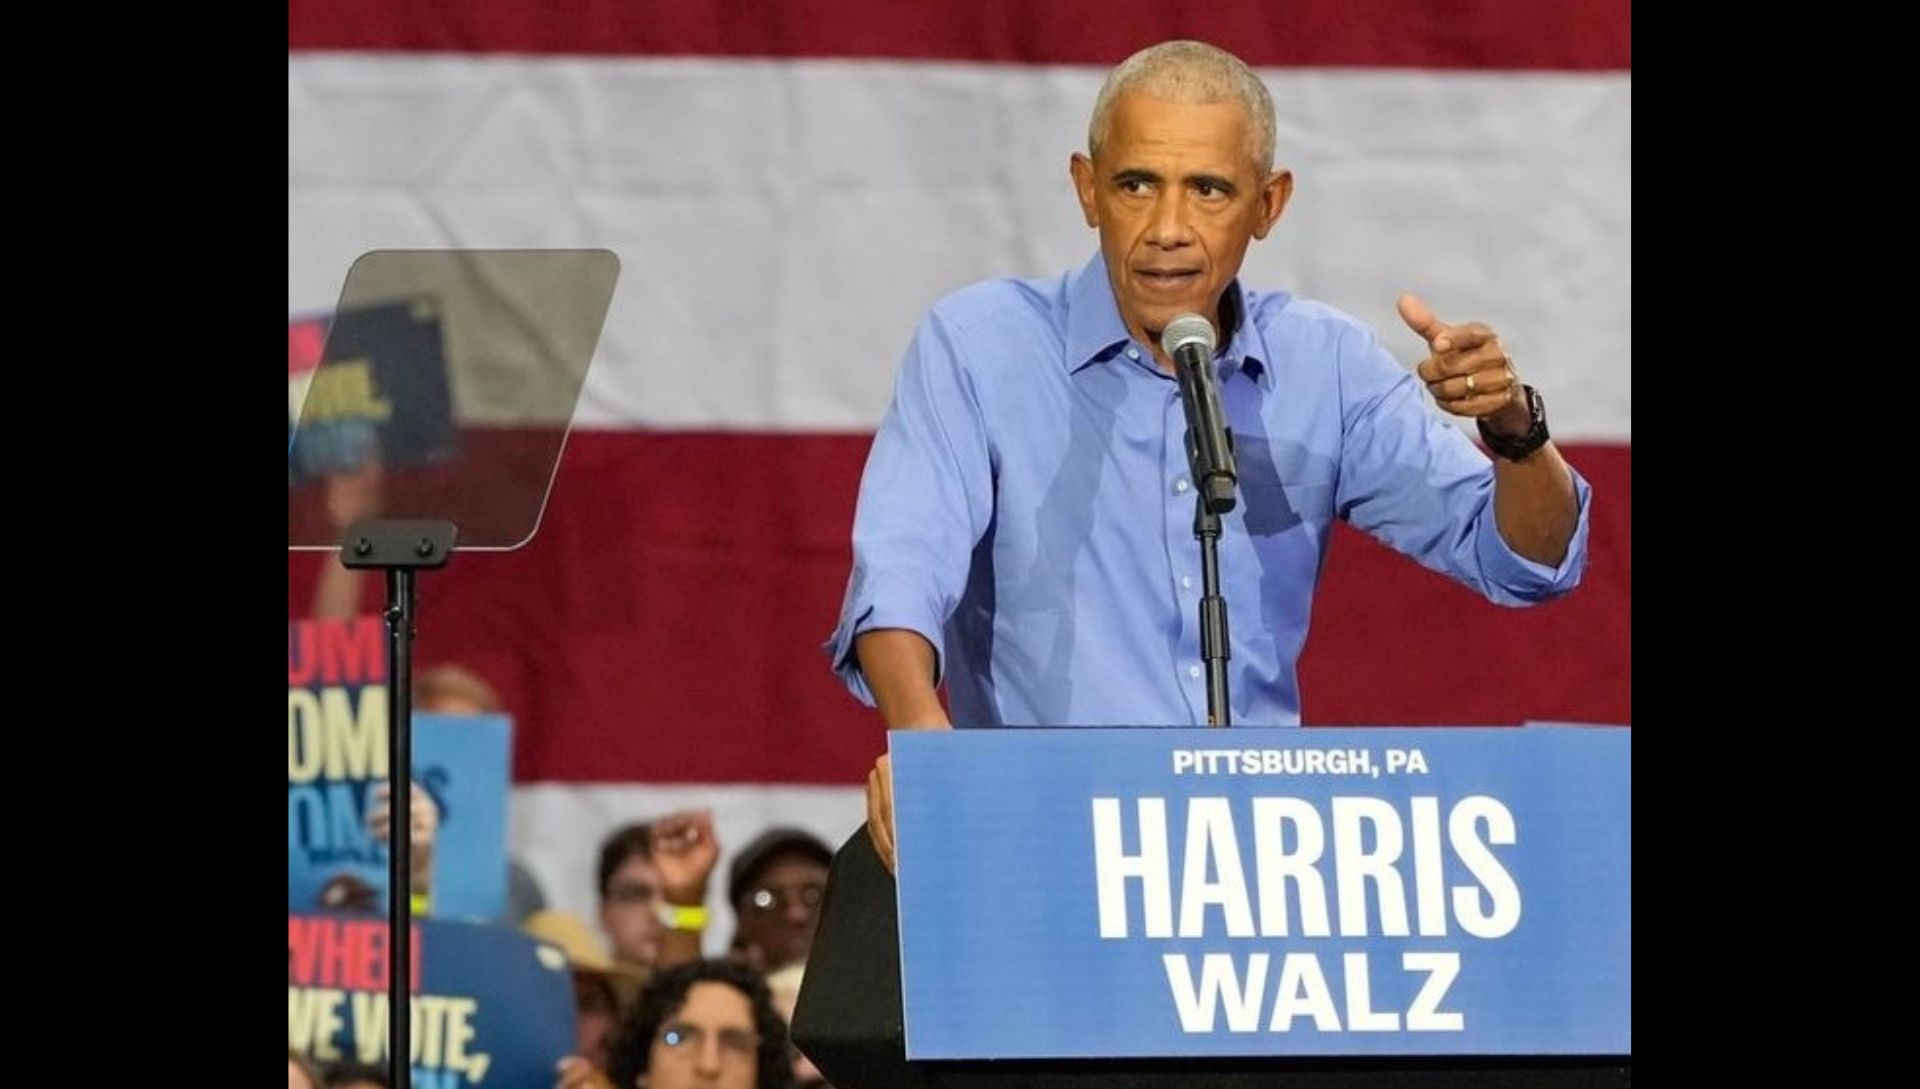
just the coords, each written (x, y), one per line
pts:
(1133, 353)
(1180, 485)
(1194, 672)
(1186, 582)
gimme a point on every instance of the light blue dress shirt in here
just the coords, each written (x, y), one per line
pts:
(1026, 505)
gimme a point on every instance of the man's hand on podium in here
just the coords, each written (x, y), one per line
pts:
(899, 666)
(880, 798)
(880, 808)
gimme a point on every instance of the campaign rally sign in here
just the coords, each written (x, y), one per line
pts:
(383, 394)
(337, 708)
(490, 1006)
(1264, 892)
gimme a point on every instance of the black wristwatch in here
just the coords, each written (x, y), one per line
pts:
(1517, 447)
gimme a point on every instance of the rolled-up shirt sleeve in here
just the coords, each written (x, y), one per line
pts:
(1418, 484)
(926, 498)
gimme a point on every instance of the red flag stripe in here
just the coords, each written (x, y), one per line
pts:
(1572, 35)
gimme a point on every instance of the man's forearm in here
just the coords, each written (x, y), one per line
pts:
(1534, 505)
(898, 665)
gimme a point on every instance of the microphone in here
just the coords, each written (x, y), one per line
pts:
(1188, 340)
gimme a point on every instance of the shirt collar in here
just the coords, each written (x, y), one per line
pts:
(1095, 331)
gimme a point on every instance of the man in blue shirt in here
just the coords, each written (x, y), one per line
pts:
(1025, 523)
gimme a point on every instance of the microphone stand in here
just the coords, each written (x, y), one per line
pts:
(1207, 508)
(1210, 461)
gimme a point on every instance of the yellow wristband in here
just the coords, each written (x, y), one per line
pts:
(420, 902)
(682, 917)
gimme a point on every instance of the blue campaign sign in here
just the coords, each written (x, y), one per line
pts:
(337, 717)
(1182, 892)
(460, 761)
(491, 1005)
(463, 763)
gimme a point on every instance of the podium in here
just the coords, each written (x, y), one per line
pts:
(1319, 908)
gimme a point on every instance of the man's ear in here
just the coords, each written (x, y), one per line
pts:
(1273, 201)
(1081, 168)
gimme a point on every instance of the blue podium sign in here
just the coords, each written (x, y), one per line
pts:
(1082, 893)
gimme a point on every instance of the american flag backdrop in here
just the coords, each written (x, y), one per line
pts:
(789, 185)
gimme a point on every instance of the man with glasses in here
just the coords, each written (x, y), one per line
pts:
(775, 884)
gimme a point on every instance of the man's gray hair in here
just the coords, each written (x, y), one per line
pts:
(1194, 73)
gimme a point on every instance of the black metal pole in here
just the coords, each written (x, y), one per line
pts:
(400, 825)
(400, 548)
(1211, 499)
(1214, 644)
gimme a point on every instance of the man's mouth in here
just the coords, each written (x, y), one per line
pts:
(1167, 279)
